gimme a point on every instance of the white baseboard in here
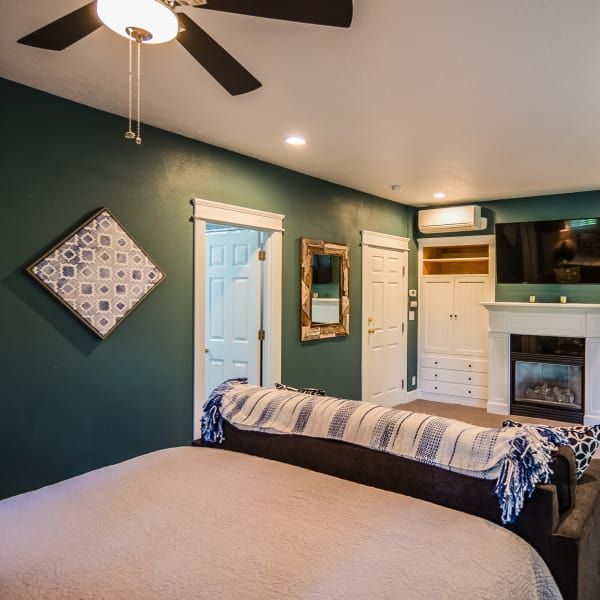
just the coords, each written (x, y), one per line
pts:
(414, 395)
(591, 420)
(496, 408)
(474, 402)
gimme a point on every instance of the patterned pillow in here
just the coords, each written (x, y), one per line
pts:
(584, 439)
(308, 391)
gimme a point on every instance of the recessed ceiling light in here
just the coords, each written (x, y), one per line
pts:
(439, 195)
(295, 140)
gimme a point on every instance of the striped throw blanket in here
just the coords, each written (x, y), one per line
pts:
(518, 458)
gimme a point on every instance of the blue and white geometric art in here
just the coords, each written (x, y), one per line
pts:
(98, 272)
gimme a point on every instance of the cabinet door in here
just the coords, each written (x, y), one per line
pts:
(471, 320)
(437, 332)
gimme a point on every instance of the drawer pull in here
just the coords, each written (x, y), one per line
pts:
(470, 366)
(469, 379)
(435, 375)
(469, 391)
(435, 387)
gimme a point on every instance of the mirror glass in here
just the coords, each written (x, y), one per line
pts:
(326, 289)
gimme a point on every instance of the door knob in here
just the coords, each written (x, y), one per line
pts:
(371, 330)
(206, 350)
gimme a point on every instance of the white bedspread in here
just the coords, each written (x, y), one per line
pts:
(204, 523)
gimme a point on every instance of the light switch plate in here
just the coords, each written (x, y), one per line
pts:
(412, 293)
(411, 315)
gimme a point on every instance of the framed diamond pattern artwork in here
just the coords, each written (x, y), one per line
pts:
(99, 272)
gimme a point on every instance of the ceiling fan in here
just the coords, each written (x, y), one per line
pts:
(156, 21)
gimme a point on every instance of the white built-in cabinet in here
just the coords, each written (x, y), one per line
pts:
(455, 321)
(456, 276)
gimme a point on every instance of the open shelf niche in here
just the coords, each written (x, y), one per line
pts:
(456, 260)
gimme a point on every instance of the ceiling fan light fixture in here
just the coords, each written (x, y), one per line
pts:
(152, 17)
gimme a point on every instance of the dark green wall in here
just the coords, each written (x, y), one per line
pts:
(70, 402)
(538, 208)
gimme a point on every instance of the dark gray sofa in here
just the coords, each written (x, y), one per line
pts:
(561, 521)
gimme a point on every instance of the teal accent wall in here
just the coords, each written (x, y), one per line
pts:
(70, 402)
(539, 208)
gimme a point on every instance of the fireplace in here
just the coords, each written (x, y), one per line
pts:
(560, 330)
(547, 377)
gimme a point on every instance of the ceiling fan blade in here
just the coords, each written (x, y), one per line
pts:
(336, 13)
(215, 59)
(65, 31)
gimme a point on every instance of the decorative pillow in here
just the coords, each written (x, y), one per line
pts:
(308, 391)
(584, 439)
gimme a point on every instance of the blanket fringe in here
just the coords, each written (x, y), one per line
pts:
(212, 419)
(526, 464)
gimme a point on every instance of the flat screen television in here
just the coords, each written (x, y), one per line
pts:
(559, 252)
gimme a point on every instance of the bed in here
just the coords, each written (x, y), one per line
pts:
(200, 522)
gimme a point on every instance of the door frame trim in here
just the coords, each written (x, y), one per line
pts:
(389, 242)
(216, 212)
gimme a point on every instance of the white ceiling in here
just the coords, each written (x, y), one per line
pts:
(480, 99)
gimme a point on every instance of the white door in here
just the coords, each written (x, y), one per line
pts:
(470, 318)
(232, 348)
(385, 294)
(437, 331)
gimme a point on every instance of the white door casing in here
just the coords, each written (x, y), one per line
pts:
(270, 223)
(384, 316)
(232, 348)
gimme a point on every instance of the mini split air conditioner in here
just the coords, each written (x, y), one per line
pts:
(451, 219)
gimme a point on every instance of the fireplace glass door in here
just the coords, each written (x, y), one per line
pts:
(547, 377)
(548, 383)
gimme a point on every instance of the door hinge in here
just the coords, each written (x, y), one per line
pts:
(261, 335)
(403, 271)
(262, 255)
(402, 327)
(403, 384)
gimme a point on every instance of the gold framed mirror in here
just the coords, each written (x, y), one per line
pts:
(324, 290)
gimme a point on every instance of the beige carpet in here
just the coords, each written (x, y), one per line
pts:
(468, 414)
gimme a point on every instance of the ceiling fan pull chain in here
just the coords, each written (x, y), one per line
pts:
(129, 135)
(138, 139)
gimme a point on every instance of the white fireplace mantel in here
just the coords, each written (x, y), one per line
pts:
(564, 320)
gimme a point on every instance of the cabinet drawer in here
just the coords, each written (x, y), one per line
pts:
(454, 363)
(464, 377)
(454, 389)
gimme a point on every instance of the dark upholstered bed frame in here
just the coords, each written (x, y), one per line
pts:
(561, 521)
